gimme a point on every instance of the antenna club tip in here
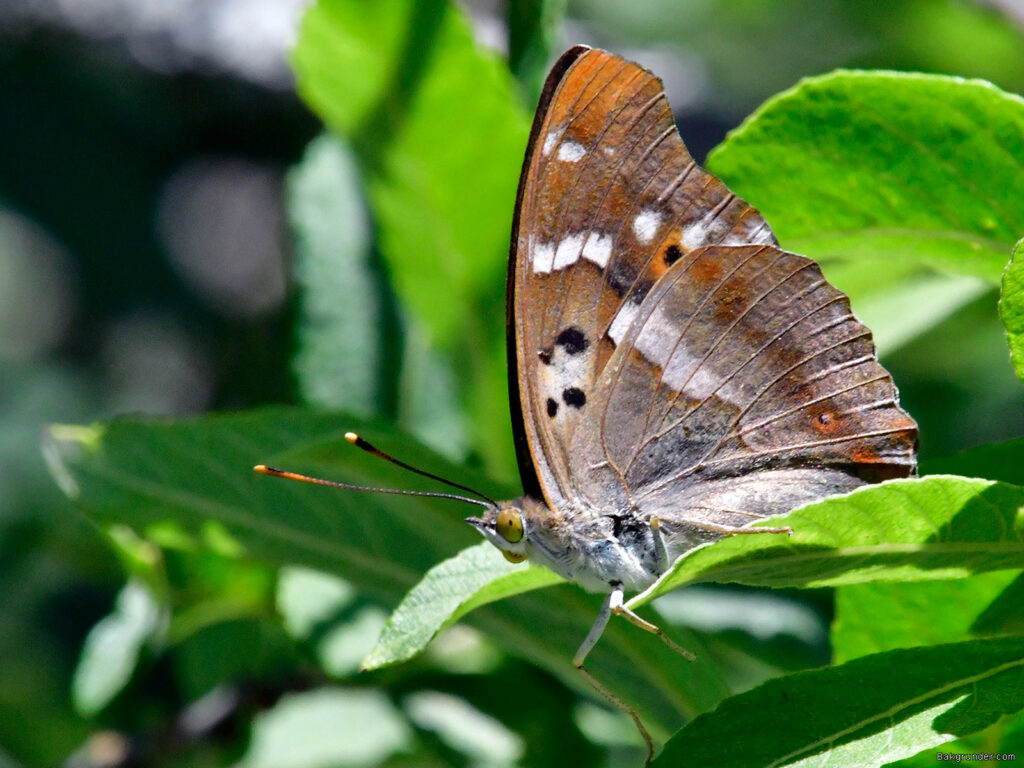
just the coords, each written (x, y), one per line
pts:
(260, 469)
(352, 437)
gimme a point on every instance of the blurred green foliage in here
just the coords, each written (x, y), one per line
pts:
(165, 633)
(1011, 307)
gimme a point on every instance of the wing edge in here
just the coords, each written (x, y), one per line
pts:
(528, 474)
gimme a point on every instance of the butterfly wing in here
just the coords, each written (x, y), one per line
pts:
(743, 387)
(609, 199)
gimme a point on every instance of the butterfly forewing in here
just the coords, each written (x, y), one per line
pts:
(609, 200)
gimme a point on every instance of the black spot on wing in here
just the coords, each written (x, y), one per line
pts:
(552, 407)
(573, 340)
(545, 356)
(621, 274)
(672, 254)
(574, 396)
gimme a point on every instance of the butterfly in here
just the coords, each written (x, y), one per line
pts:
(674, 375)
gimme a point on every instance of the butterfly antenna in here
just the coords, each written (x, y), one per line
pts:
(358, 442)
(262, 469)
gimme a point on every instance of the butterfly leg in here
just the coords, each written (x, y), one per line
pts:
(588, 643)
(615, 606)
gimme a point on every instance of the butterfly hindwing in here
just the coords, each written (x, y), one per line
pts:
(744, 362)
(609, 200)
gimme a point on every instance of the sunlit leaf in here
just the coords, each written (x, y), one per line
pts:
(936, 527)
(449, 590)
(439, 135)
(1011, 307)
(1005, 736)
(307, 598)
(912, 168)
(864, 713)
(355, 353)
(883, 616)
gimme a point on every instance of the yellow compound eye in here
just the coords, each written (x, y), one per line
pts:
(512, 557)
(510, 525)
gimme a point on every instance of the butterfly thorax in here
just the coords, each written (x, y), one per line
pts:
(594, 549)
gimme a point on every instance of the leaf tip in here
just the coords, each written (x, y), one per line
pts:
(65, 444)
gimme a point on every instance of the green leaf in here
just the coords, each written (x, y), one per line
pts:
(232, 649)
(340, 360)
(995, 461)
(936, 528)
(1006, 736)
(429, 406)
(159, 476)
(546, 628)
(934, 297)
(882, 616)
(1011, 307)
(749, 50)
(465, 729)
(308, 598)
(344, 645)
(867, 712)
(534, 28)
(1005, 614)
(153, 474)
(111, 650)
(206, 587)
(439, 136)
(451, 589)
(904, 530)
(913, 168)
(326, 611)
(328, 726)
(353, 352)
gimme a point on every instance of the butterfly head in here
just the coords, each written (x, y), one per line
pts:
(505, 526)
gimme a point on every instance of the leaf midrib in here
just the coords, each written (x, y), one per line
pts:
(1001, 547)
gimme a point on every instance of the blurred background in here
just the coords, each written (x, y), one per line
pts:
(146, 266)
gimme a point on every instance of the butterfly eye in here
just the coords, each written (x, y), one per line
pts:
(510, 526)
(512, 557)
